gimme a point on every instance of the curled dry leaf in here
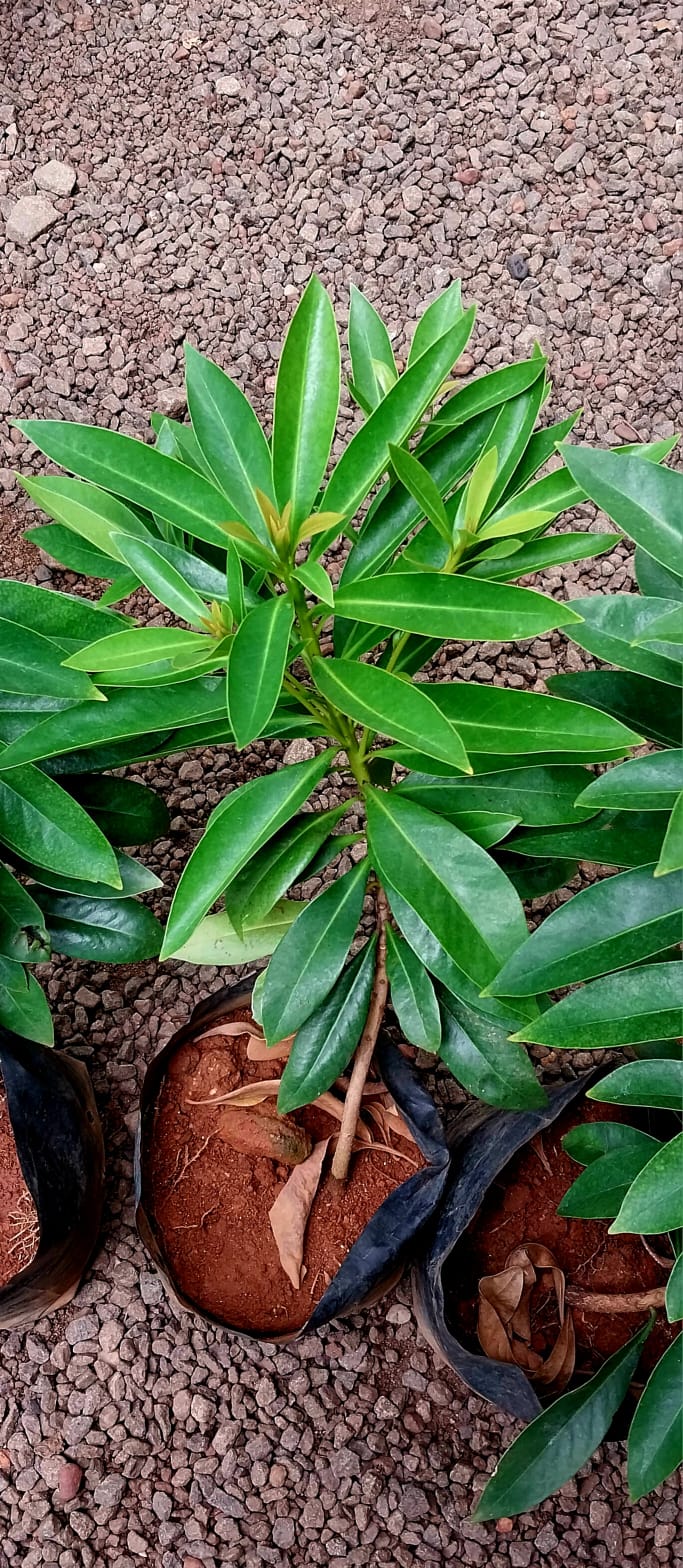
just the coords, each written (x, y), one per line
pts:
(247, 1094)
(262, 1134)
(258, 1051)
(505, 1312)
(289, 1214)
(230, 1031)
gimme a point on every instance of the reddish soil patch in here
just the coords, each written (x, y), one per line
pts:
(209, 1202)
(19, 1234)
(521, 1207)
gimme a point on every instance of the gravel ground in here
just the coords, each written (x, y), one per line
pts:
(220, 153)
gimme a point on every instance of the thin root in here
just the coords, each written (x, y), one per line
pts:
(188, 1160)
(25, 1232)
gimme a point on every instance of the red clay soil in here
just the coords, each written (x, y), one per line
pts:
(18, 1219)
(521, 1207)
(209, 1203)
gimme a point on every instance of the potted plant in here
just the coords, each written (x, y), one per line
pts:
(227, 528)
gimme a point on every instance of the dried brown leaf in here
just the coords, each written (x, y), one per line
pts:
(258, 1051)
(505, 1309)
(247, 1094)
(289, 1214)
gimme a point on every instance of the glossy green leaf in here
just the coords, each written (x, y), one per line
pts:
(133, 649)
(206, 579)
(162, 580)
(68, 550)
(420, 485)
(92, 514)
(22, 929)
(312, 955)
(121, 587)
(478, 1053)
(62, 617)
(135, 878)
(31, 663)
(215, 940)
(640, 497)
(367, 454)
(510, 435)
(674, 1292)
(306, 404)
(126, 714)
(325, 1043)
(438, 318)
(627, 1008)
(448, 880)
(234, 582)
(654, 1201)
(390, 704)
(633, 699)
(23, 1007)
(613, 838)
(133, 471)
(370, 347)
(481, 394)
(657, 1083)
(537, 796)
(655, 579)
(671, 854)
(440, 964)
(230, 439)
(598, 1193)
(535, 878)
(41, 822)
(114, 931)
(492, 719)
(555, 550)
(609, 627)
(655, 1444)
(641, 784)
(316, 581)
(485, 827)
(551, 1450)
(239, 826)
(591, 1140)
(413, 997)
(666, 628)
(257, 664)
(126, 812)
(276, 867)
(459, 607)
(541, 447)
(613, 923)
(179, 440)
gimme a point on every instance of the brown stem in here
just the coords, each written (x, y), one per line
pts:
(636, 1301)
(364, 1053)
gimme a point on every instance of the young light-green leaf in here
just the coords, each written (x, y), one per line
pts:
(439, 317)
(420, 485)
(369, 347)
(230, 439)
(390, 704)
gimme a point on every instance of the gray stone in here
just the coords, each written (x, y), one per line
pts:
(110, 1491)
(657, 279)
(56, 177)
(31, 217)
(569, 158)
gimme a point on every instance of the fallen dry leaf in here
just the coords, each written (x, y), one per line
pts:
(289, 1214)
(258, 1051)
(231, 1031)
(247, 1094)
(505, 1313)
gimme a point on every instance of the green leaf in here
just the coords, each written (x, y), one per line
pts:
(92, 514)
(128, 813)
(312, 955)
(610, 625)
(230, 439)
(413, 997)
(674, 1292)
(114, 931)
(591, 1140)
(276, 867)
(640, 497)
(597, 1194)
(239, 826)
(125, 714)
(68, 550)
(657, 1083)
(62, 617)
(136, 472)
(654, 1202)
(369, 346)
(485, 827)
(162, 580)
(325, 1043)
(306, 404)
(634, 699)
(31, 663)
(655, 579)
(133, 649)
(551, 1450)
(22, 929)
(491, 719)
(537, 556)
(534, 878)
(481, 394)
(641, 784)
(40, 822)
(316, 581)
(199, 574)
(459, 607)
(537, 796)
(453, 885)
(519, 523)
(615, 922)
(420, 485)
(478, 1053)
(179, 440)
(234, 580)
(440, 964)
(367, 454)
(215, 940)
(627, 1008)
(655, 1444)
(614, 838)
(135, 878)
(258, 658)
(666, 628)
(443, 313)
(510, 436)
(120, 588)
(671, 855)
(23, 1008)
(542, 446)
(391, 704)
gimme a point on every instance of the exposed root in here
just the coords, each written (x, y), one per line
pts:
(188, 1160)
(24, 1233)
(632, 1301)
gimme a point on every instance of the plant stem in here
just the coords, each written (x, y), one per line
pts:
(368, 1041)
(634, 1301)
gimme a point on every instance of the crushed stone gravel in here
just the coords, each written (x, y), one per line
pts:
(203, 159)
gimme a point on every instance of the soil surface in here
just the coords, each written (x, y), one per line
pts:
(19, 1234)
(210, 1202)
(521, 1206)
